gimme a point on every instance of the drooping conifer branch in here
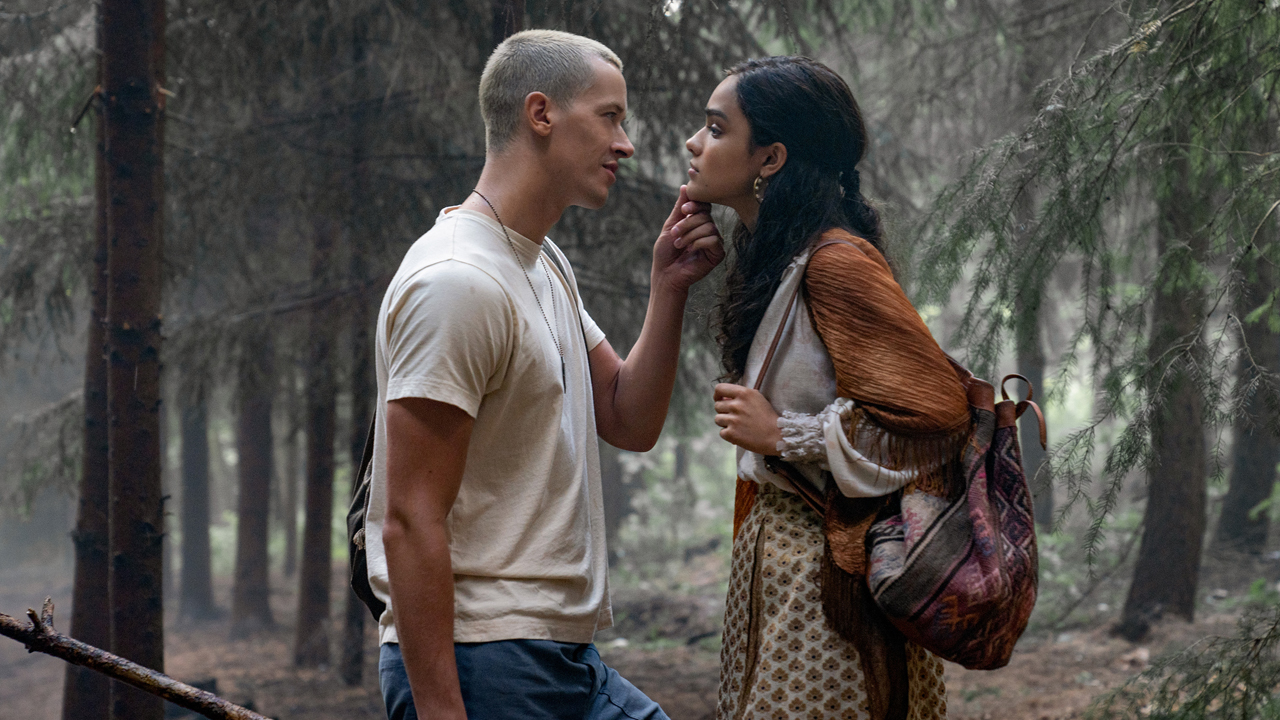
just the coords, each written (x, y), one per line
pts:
(39, 636)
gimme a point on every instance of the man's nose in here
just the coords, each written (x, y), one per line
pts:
(623, 148)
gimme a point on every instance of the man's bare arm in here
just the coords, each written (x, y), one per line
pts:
(631, 396)
(426, 454)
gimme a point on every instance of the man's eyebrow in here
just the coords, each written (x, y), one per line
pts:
(712, 112)
(615, 107)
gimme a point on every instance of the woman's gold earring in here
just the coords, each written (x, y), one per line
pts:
(758, 188)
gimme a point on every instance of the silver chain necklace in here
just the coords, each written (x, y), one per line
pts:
(564, 381)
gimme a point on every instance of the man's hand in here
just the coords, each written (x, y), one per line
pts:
(689, 245)
(426, 455)
(748, 419)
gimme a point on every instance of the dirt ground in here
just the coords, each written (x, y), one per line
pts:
(1048, 678)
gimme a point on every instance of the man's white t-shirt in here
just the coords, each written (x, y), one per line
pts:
(460, 325)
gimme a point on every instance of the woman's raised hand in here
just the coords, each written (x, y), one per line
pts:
(747, 418)
(689, 245)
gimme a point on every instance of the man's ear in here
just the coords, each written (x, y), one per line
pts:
(775, 157)
(537, 112)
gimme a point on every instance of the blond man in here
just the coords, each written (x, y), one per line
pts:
(485, 530)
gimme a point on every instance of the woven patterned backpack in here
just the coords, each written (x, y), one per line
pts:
(953, 568)
(957, 575)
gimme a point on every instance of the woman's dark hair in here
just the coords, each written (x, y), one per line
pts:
(808, 108)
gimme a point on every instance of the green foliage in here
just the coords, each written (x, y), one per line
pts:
(1217, 679)
(1090, 154)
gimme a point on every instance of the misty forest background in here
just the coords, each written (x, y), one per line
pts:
(1085, 192)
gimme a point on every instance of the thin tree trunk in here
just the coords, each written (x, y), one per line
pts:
(289, 511)
(1029, 333)
(363, 391)
(133, 37)
(1168, 565)
(363, 398)
(508, 19)
(617, 501)
(1256, 449)
(311, 641)
(250, 593)
(195, 588)
(86, 693)
(1031, 362)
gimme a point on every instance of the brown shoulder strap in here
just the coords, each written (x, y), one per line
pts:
(777, 337)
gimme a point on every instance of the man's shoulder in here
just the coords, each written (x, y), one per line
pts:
(454, 250)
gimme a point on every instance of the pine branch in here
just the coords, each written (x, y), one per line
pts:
(39, 636)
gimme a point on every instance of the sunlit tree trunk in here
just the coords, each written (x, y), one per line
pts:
(250, 593)
(311, 641)
(1168, 566)
(85, 692)
(133, 46)
(195, 586)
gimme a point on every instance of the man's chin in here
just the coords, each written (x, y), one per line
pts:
(594, 201)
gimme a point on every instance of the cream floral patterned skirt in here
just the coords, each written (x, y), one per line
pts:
(789, 663)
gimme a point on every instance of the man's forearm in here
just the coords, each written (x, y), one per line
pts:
(641, 390)
(422, 584)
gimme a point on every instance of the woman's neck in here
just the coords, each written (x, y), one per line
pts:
(747, 213)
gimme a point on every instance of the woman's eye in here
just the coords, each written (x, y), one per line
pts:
(715, 131)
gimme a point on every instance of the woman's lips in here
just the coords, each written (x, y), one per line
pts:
(693, 172)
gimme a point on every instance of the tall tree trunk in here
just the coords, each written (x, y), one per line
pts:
(363, 390)
(289, 503)
(250, 593)
(86, 693)
(1168, 566)
(311, 641)
(363, 399)
(508, 19)
(133, 43)
(1031, 362)
(1029, 334)
(195, 588)
(1256, 448)
(617, 499)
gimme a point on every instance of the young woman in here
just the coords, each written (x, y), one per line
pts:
(858, 399)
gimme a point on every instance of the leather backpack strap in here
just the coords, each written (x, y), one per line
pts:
(808, 492)
(777, 337)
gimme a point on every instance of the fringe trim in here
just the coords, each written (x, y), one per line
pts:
(882, 652)
(923, 452)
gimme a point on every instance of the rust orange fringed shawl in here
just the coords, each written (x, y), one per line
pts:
(912, 410)
(912, 413)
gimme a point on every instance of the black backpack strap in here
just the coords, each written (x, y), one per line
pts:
(357, 513)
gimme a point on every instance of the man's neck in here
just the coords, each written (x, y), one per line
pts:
(520, 195)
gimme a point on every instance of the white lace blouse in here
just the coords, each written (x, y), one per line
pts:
(801, 385)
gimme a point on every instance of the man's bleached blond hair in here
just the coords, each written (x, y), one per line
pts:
(555, 63)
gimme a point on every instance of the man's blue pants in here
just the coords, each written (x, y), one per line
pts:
(525, 680)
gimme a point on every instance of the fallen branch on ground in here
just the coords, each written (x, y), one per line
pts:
(39, 636)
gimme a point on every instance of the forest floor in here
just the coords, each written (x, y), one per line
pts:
(670, 653)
